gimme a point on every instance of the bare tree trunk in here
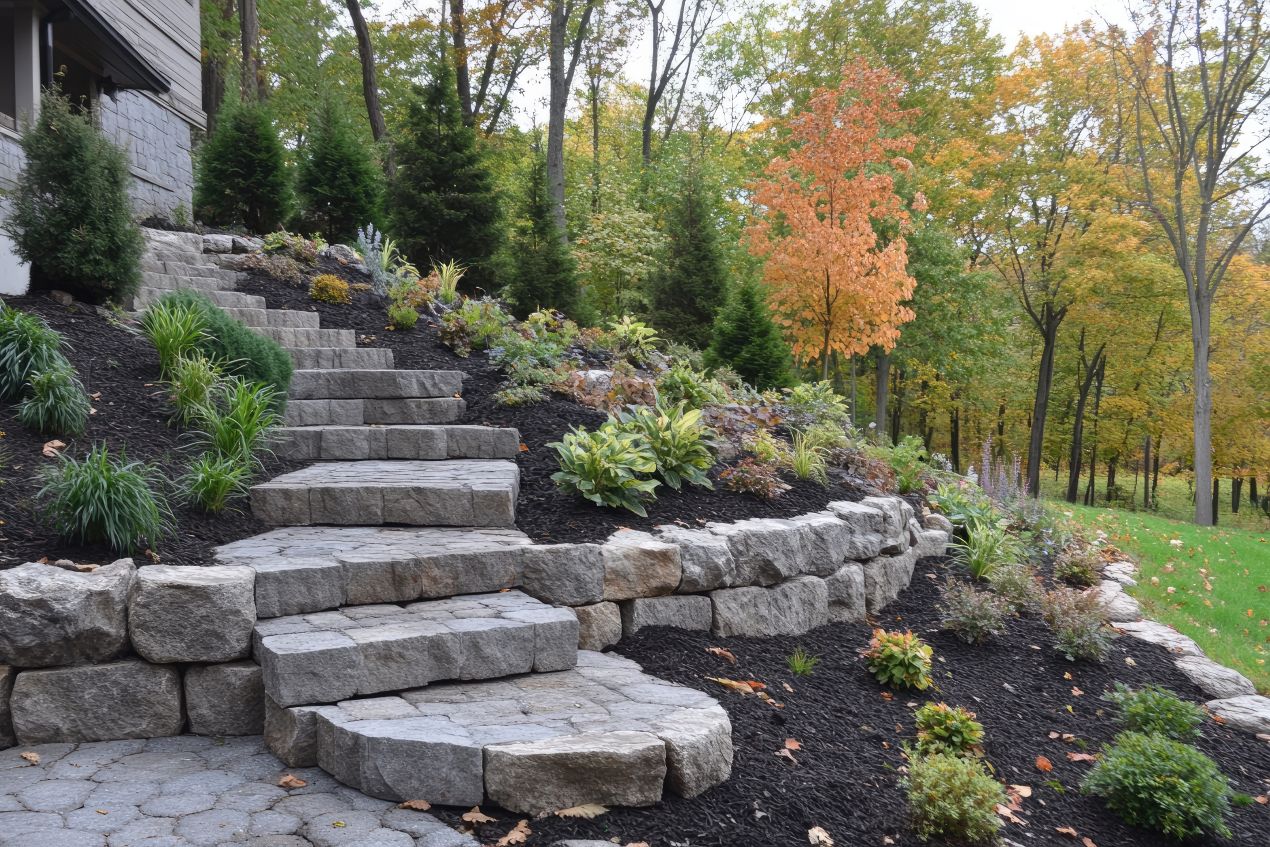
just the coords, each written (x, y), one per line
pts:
(563, 52)
(462, 77)
(854, 392)
(1093, 446)
(1212, 503)
(1089, 368)
(1146, 463)
(1040, 406)
(897, 408)
(249, 26)
(1202, 412)
(882, 383)
(954, 438)
(1236, 491)
(1252, 490)
(370, 84)
(1155, 467)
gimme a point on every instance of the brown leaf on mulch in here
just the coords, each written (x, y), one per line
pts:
(291, 781)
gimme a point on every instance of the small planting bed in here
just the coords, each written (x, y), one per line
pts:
(850, 730)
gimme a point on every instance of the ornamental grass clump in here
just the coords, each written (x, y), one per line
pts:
(899, 659)
(1157, 783)
(1152, 709)
(953, 798)
(56, 403)
(986, 548)
(175, 329)
(947, 729)
(807, 460)
(190, 385)
(28, 345)
(212, 480)
(105, 499)
(608, 466)
(238, 421)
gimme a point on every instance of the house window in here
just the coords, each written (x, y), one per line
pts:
(8, 72)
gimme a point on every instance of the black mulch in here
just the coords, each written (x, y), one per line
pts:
(846, 777)
(122, 370)
(543, 512)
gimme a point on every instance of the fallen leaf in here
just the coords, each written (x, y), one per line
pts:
(1081, 757)
(638, 844)
(789, 688)
(1067, 675)
(1076, 692)
(31, 756)
(338, 824)
(53, 448)
(1088, 842)
(722, 653)
(1128, 660)
(103, 811)
(887, 696)
(477, 816)
(518, 835)
(291, 781)
(817, 837)
(785, 754)
(586, 810)
(1043, 764)
(417, 805)
(738, 687)
(1263, 799)
(1070, 832)
(1008, 813)
(886, 839)
(792, 744)
(1023, 791)
(762, 695)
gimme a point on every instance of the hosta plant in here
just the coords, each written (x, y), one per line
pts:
(679, 443)
(633, 339)
(607, 466)
(948, 729)
(899, 659)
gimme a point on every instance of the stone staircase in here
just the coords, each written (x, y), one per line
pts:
(395, 648)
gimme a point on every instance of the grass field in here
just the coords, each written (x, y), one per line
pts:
(1174, 497)
(1211, 583)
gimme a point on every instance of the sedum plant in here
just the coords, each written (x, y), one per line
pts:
(101, 498)
(680, 444)
(56, 403)
(1152, 709)
(607, 467)
(329, 288)
(899, 659)
(948, 729)
(953, 798)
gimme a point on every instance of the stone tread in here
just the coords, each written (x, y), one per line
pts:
(309, 358)
(403, 441)
(171, 281)
(452, 492)
(310, 569)
(413, 410)
(354, 651)
(275, 317)
(304, 337)
(604, 732)
(379, 384)
(224, 299)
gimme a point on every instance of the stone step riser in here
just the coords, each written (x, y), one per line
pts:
(285, 318)
(224, 299)
(171, 282)
(422, 411)
(329, 384)
(180, 242)
(178, 268)
(355, 443)
(466, 492)
(363, 650)
(290, 337)
(315, 358)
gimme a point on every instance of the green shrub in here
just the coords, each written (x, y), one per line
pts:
(974, 616)
(607, 467)
(899, 659)
(816, 403)
(1077, 621)
(213, 480)
(953, 798)
(633, 340)
(946, 729)
(473, 326)
(70, 215)
(401, 316)
(1157, 783)
(677, 440)
(1078, 564)
(986, 548)
(801, 663)
(190, 385)
(328, 288)
(242, 177)
(753, 476)
(56, 403)
(807, 461)
(908, 460)
(963, 504)
(293, 246)
(337, 180)
(769, 449)
(239, 421)
(1017, 586)
(680, 383)
(103, 499)
(519, 395)
(28, 345)
(1152, 709)
(175, 330)
(235, 348)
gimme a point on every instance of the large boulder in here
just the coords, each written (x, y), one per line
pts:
(706, 558)
(227, 699)
(1116, 604)
(827, 542)
(846, 594)
(50, 616)
(638, 565)
(766, 550)
(1251, 712)
(1216, 681)
(790, 608)
(292, 733)
(896, 513)
(886, 576)
(685, 611)
(1157, 633)
(567, 574)
(128, 699)
(599, 625)
(193, 614)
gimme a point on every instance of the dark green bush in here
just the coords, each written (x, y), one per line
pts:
(70, 215)
(1152, 709)
(242, 177)
(953, 798)
(103, 499)
(237, 349)
(28, 345)
(746, 339)
(338, 182)
(1158, 783)
(56, 403)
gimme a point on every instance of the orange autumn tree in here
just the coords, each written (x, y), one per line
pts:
(834, 283)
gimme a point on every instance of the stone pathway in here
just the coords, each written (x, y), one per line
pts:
(189, 791)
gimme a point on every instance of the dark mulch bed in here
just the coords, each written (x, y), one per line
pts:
(847, 771)
(543, 511)
(122, 369)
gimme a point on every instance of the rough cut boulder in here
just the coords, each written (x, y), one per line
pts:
(638, 565)
(193, 614)
(1251, 712)
(705, 557)
(791, 608)
(886, 576)
(599, 626)
(226, 699)
(50, 616)
(1217, 681)
(846, 594)
(685, 611)
(128, 699)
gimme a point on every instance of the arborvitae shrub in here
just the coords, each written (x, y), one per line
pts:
(746, 339)
(690, 287)
(242, 175)
(337, 182)
(70, 216)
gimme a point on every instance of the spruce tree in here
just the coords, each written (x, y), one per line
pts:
(443, 205)
(338, 183)
(746, 339)
(242, 172)
(546, 276)
(692, 284)
(70, 216)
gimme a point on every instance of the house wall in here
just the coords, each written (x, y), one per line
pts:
(159, 149)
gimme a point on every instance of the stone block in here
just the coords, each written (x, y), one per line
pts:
(895, 516)
(638, 565)
(7, 675)
(705, 557)
(1216, 681)
(477, 571)
(685, 611)
(1157, 633)
(1116, 604)
(790, 608)
(599, 625)
(288, 586)
(934, 520)
(50, 616)
(698, 749)
(226, 699)
(846, 594)
(885, 577)
(932, 542)
(128, 699)
(861, 517)
(565, 574)
(310, 667)
(827, 539)
(292, 733)
(416, 442)
(1251, 712)
(766, 550)
(192, 614)
(611, 768)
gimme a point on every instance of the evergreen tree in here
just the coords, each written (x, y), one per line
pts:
(443, 205)
(746, 339)
(70, 216)
(692, 284)
(242, 172)
(546, 276)
(338, 183)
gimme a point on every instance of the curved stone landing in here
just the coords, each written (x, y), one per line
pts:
(604, 732)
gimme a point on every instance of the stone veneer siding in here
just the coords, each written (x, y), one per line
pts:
(159, 148)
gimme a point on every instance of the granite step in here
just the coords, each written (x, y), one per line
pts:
(355, 651)
(162, 239)
(314, 568)
(415, 411)
(225, 299)
(354, 443)
(293, 337)
(383, 384)
(453, 492)
(276, 317)
(187, 268)
(151, 279)
(310, 358)
(603, 732)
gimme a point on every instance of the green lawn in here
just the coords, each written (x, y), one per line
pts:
(1211, 583)
(1174, 497)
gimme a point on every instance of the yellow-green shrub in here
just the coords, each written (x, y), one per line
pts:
(328, 288)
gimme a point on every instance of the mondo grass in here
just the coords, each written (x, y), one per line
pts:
(213, 480)
(239, 420)
(56, 403)
(105, 499)
(175, 329)
(28, 345)
(191, 385)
